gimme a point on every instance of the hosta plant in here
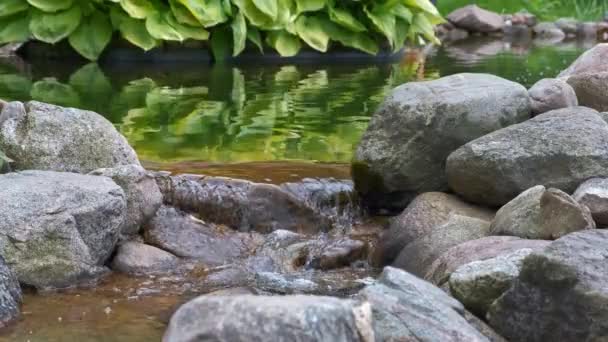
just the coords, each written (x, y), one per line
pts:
(230, 25)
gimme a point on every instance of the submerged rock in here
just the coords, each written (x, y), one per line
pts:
(476, 19)
(591, 89)
(424, 213)
(403, 151)
(260, 318)
(284, 284)
(560, 294)
(558, 149)
(591, 61)
(58, 229)
(138, 258)
(39, 136)
(540, 213)
(240, 204)
(143, 195)
(337, 253)
(551, 93)
(10, 295)
(406, 308)
(593, 194)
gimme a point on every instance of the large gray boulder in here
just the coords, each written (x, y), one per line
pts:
(403, 151)
(594, 195)
(591, 89)
(143, 195)
(592, 61)
(406, 308)
(540, 213)
(140, 259)
(241, 204)
(475, 19)
(10, 294)
(558, 149)
(262, 318)
(425, 212)
(39, 136)
(476, 250)
(418, 256)
(478, 284)
(551, 93)
(560, 294)
(550, 31)
(58, 229)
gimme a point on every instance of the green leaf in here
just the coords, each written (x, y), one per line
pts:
(51, 5)
(253, 35)
(421, 25)
(51, 91)
(312, 31)
(359, 41)
(14, 87)
(221, 43)
(402, 12)
(344, 18)
(138, 9)
(384, 22)
(90, 78)
(53, 27)
(186, 31)
(135, 32)
(10, 7)
(239, 34)
(424, 5)
(14, 29)
(268, 7)
(92, 36)
(159, 28)
(182, 14)
(310, 5)
(286, 44)
(208, 12)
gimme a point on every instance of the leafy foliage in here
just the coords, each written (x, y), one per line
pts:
(285, 25)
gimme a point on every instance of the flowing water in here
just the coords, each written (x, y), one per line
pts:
(269, 123)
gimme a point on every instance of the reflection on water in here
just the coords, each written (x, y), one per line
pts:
(250, 113)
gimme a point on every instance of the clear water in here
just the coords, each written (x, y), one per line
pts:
(188, 112)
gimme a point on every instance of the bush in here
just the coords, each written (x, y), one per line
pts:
(284, 25)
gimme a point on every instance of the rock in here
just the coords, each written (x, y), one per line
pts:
(591, 61)
(337, 253)
(188, 237)
(519, 32)
(483, 327)
(240, 204)
(10, 295)
(593, 194)
(568, 25)
(538, 213)
(524, 18)
(406, 308)
(558, 149)
(478, 284)
(403, 151)
(39, 136)
(284, 284)
(58, 229)
(591, 89)
(418, 256)
(547, 30)
(551, 93)
(560, 294)
(475, 19)
(477, 250)
(143, 195)
(138, 258)
(426, 212)
(587, 30)
(258, 318)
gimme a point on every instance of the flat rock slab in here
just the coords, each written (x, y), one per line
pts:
(475, 19)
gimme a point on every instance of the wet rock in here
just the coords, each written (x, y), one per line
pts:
(591, 89)
(558, 149)
(593, 194)
(540, 213)
(138, 258)
(188, 237)
(240, 204)
(256, 318)
(234, 291)
(284, 284)
(551, 93)
(286, 251)
(418, 256)
(477, 250)
(475, 19)
(406, 308)
(592, 61)
(587, 30)
(10, 295)
(39, 136)
(426, 212)
(337, 253)
(478, 284)
(560, 294)
(483, 327)
(58, 229)
(548, 30)
(519, 32)
(568, 25)
(403, 151)
(143, 195)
